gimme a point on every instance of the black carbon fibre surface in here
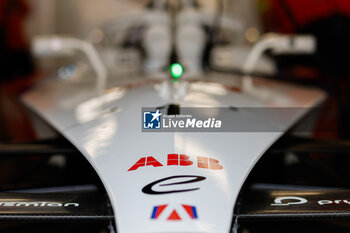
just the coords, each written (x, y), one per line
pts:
(55, 207)
(294, 204)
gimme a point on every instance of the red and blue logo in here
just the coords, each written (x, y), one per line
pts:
(174, 216)
(157, 210)
(191, 210)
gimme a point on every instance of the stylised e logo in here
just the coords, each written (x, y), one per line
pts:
(148, 189)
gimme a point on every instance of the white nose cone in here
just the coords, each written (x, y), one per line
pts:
(166, 182)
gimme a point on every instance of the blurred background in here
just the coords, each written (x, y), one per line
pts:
(327, 67)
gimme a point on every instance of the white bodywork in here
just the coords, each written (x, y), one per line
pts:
(107, 131)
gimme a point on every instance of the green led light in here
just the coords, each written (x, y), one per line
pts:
(176, 70)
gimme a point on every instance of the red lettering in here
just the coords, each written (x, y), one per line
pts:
(153, 162)
(140, 163)
(178, 160)
(202, 162)
(173, 159)
(149, 161)
(185, 160)
(214, 164)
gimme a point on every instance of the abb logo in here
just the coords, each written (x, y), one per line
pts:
(178, 160)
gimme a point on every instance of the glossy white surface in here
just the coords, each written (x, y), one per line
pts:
(107, 130)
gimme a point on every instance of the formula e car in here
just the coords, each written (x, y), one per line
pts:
(201, 152)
